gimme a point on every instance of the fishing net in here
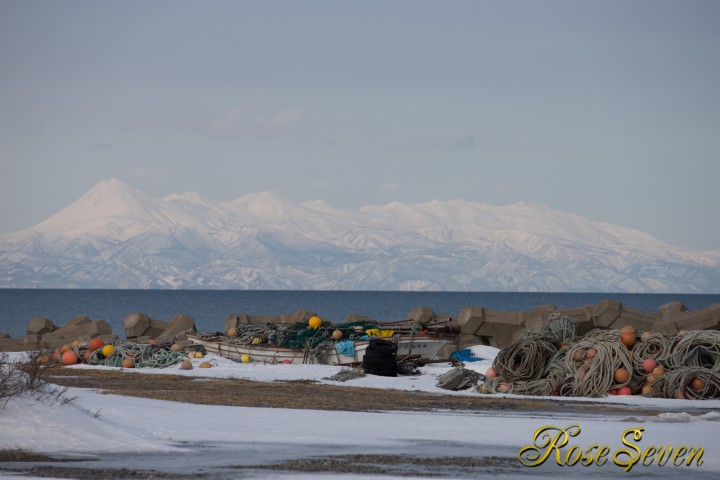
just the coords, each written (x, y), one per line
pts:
(700, 348)
(143, 355)
(552, 361)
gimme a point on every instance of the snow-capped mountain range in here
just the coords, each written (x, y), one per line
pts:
(117, 237)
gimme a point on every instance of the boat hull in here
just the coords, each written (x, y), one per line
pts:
(418, 346)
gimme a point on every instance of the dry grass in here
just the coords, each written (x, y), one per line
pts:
(298, 394)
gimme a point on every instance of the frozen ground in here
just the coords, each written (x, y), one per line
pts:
(226, 442)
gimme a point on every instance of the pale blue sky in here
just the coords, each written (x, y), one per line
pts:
(608, 109)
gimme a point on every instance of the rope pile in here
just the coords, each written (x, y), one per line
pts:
(553, 361)
(458, 378)
(143, 355)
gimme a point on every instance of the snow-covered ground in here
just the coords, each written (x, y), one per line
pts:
(177, 437)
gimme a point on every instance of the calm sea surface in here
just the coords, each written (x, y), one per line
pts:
(210, 308)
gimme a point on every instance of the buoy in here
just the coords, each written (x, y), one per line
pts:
(96, 343)
(65, 348)
(256, 341)
(176, 347)
(245, 358)
(504, 386)
(56, 355)
(659, 371)
(152, 341)
(645, 336)
(186, 365)
(232, 332)
(42, 360)
(649, 365)
(591, 353)
(107, 350)
(621, 376)
(697, 384)
(128, 363)
(88, 355)
(337, 334)
(613, 391)
(627, 337)
(199, 355)
(205, 365)
(624, 391)
(490, 373)
(647, 390)
(287, 361)
(75, 344)
(314, 322)
(70, 358)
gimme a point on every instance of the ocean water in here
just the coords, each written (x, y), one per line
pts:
(210, 308)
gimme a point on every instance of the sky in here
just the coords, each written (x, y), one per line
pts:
(609, 109)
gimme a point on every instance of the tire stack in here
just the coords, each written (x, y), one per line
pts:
(380, 358)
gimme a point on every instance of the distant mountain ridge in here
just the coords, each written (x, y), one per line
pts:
(117, 237)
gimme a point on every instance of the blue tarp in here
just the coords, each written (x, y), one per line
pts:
(465, 355)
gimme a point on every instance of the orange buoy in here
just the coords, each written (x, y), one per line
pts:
(697, 384)
(490, 373)
(647, 390)
(65, 348)
(659, 371)
(205, 365)
(627, 338)
(186, 365)
(96, 343)
(128, 363)
(70, 358)
(337, 335)
(624, 391)
(591, 353)
(621, 375)
(232, 332)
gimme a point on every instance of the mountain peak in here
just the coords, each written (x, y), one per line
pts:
(117, 236)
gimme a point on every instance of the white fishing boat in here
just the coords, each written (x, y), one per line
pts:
(329, 353)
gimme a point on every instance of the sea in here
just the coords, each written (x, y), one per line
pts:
(210, 308)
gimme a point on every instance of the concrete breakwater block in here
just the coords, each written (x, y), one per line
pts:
(78, 328)
(479, 326)
(424, 315)
(40, 326)
(177, 327)
(138, 324)
(20, 344)
(235, 319)
(490, 327)
(674, 320)
(50, 336)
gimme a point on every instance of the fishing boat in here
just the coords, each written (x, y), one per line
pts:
(346, 352)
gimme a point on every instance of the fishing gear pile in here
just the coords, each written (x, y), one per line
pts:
(124, 354)
(552, 361)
